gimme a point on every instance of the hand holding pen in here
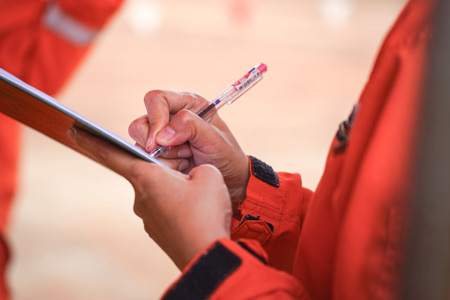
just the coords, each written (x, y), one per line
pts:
(228, 96)
(174, 119)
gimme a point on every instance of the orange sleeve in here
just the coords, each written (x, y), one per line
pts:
(257, 263)
(234, 270)
(273, 213)
(42, 42)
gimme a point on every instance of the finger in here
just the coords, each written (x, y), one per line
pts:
(187, 126)
(207, 175)
(180, 164)
(180, 151)
(139, 130)
(162, 104)
(108, 155)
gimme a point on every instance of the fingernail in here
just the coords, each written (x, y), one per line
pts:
(148, 145)
(166, 134)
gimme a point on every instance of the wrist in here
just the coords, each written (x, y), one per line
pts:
(239, 192)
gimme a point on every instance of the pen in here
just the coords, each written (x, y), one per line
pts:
(228, 96)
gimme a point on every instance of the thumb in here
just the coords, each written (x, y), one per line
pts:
(209, 178)
(205, 172)
(187, 126)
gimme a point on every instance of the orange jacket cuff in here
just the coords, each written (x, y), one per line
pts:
(273, 212)
(231, 270)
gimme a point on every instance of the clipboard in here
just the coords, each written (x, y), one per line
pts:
(43, 113)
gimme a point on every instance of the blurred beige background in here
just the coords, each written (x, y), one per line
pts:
(74, 235)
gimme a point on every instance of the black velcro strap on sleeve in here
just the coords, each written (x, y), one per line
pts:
(205, 275)
(264, 172)
(260, 258)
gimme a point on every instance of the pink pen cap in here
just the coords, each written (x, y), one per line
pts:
(262, 68)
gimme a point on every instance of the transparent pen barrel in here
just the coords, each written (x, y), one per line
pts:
(232, 93)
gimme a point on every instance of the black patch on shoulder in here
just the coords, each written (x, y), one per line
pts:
(205, 276)
(264, 172)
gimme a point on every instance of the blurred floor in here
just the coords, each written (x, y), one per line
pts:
(73, 231)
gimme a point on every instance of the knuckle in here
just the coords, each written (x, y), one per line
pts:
(184, 116)
(194, 100)
(198, 99)
(186, 123)
(149, 230)
(152, 95)
(137, 208)
(155, 120)
(141, 175)
(102, 155)
(135, 175)
(141, 201)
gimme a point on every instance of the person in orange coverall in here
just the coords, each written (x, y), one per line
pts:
(41, 42)
(239, 230)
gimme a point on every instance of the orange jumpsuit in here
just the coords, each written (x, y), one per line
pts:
(41, 42)
(345, 240)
